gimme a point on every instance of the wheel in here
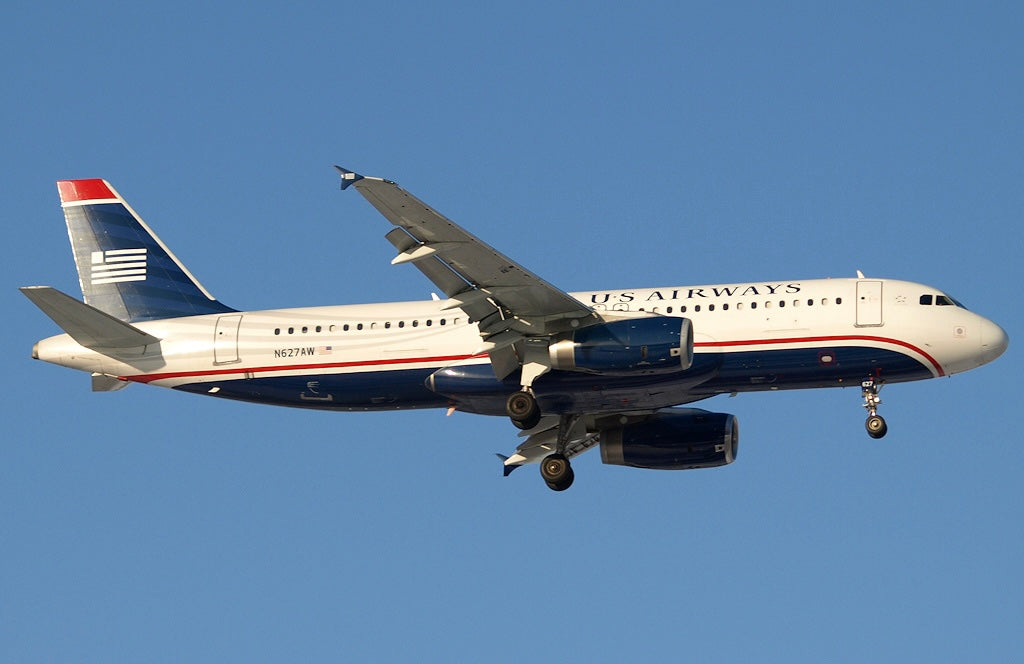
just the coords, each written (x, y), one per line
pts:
(564, 484)
(876, 426)
(520, 405)
(523, 410)
(557, 472)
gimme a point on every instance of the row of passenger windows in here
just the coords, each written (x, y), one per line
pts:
(387, 325)
(753, 305)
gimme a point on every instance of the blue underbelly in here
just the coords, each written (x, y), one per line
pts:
(474, 388)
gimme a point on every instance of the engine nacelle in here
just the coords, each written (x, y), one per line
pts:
(659, 344)
(673, 440)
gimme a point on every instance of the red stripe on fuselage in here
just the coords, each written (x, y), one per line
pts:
(72, 191)
(149, 378)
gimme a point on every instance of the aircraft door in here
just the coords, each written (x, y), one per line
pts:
(225, 339)
(869, 303)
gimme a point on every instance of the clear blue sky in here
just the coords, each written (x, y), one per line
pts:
(601, 145)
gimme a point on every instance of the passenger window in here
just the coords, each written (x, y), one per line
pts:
(387, 325)
(318, 328)
(711, 307)
(810, 303)
(359, 326)
(430, 322)
(305, 329)
(753, 305)
(782, 303)
(696, 307)
(682, 309)
(725, 307)
(401, 323)
(668, 310)
(291, 330)
(277, 330)
(839, 300)
(344, 327)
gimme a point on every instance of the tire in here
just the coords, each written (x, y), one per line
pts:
(564, 484)
(521, 405)
(523, 409)
(876, 426)
(527, 424)
(557, 472)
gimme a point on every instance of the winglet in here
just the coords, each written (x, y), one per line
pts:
(348, 178)
(507, 467)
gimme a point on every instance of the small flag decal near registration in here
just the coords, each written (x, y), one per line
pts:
(116, 265)
(324, 350)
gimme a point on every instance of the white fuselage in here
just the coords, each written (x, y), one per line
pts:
(886, 317)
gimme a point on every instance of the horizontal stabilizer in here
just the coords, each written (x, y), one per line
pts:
(87, 325)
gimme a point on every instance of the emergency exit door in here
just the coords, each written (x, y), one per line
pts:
(225, 339)
(869, 303)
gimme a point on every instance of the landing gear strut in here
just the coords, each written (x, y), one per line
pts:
(875, 425)
(523, 409)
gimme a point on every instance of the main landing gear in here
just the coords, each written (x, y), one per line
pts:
(523, 409)
(557, 472)
(555, 468)
(875, 425)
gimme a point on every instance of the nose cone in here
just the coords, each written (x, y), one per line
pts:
(993, 341)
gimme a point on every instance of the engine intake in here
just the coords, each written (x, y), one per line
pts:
(673, 440)
(659, 344)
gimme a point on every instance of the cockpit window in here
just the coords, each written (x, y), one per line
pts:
(941, 300)
(948, 301)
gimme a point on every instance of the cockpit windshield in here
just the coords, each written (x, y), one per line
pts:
(947, 301)
(940, 300)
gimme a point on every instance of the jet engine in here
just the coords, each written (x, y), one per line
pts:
(659, 344)
(676, 439)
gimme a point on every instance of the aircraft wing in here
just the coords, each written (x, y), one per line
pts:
(508, 301)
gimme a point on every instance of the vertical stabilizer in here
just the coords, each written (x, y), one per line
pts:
(123, 267)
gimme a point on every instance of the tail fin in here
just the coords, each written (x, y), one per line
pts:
(123, 267)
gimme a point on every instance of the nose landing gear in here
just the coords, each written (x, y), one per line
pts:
(875, 424)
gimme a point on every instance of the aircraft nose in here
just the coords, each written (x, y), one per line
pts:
(994, 341)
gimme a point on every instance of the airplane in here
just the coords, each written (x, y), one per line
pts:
(616, 369)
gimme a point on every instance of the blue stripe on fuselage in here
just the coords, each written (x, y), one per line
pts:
(475, 388)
